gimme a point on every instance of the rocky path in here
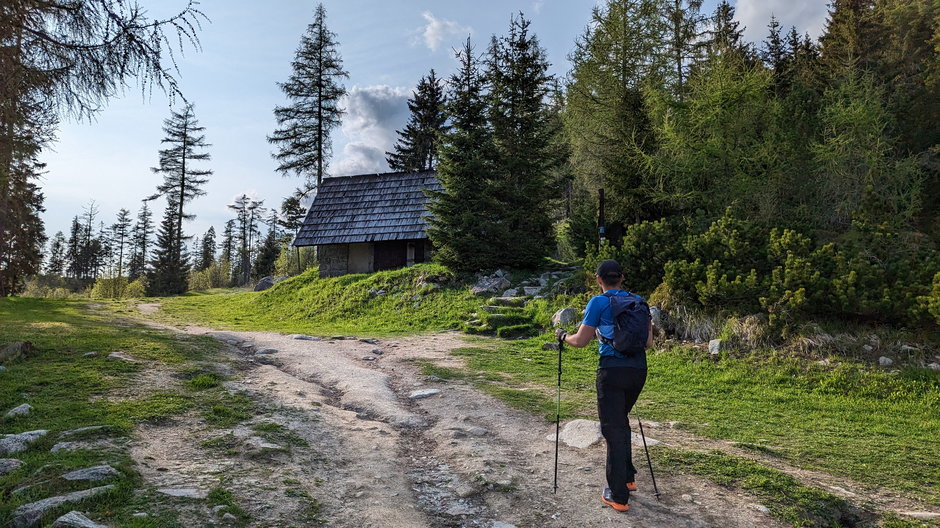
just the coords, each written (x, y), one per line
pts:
(384, 446)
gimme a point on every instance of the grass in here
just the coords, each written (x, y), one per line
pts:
(334, 306)
(873, 426)
(784, 496)
(68, 389)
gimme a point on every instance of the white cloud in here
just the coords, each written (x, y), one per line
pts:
(808, 16)
(537, 6)
(436, 30)
(372, 115)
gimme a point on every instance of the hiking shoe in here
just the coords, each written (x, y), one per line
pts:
(631, 486)
(608, 498)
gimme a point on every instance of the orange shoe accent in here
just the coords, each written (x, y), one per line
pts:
(631, 486)
(622, 508)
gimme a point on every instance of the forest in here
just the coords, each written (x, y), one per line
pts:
(795, 177)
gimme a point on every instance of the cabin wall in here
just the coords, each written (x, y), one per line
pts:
(334, 260)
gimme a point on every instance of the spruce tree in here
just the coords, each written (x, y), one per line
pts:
(140, 243)
(464, 217)
(725, 35)
(73, 250)
(24, 235)
(121, 234)
(228, 242)
(248, 212)
(55, 260)
(182, 180)
(416, 148)
(207, 250)
(517, 74)
(314, 90)
(684, 22)
(170, 264)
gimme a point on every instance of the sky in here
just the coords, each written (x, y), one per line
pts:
(247, 48)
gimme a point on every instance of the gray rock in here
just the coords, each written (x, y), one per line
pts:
(531, 290)
(82, 430)
(303, 337)
(476, 431)
(369, 341)
(657, 316)
(867, 348)
(565, 317)
(29, 515)
(424, 393)
(687, 498)
(501, 273)
(93, 473)
(267, 282)
(907, 349)
(140, 515)
(377, 351)
(89, 354)
(17, 350)
(16, 443)
(511, 292)
(257, 442)
(885, 361)
(121, 356)
(501, 524)
(20, 410)
(368, 358)
(9, 465)
(229, 518)
(763, 509)
(186, 493)
(490, 285)
(266, 351)
(714, 347)
(74, 519)
(2, 368)
(552, 346)
(934, 366)
(921, 515)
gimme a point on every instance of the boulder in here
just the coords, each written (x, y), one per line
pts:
(74, 519)
(714, 347)
(21, 410)
(16, 443)
(885, 361)
(490, 285)
(423, 393)
(93, 473)
(531, 290)
(565, 317)
(267, 282)
(303, 337)
(579, 433)
(29, 515)
(17, 350)
(9, 465)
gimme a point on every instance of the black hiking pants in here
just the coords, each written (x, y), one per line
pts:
(617, 391)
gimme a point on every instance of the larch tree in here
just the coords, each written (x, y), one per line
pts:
(182, 179)
(68, 58)
(416, 148)
(314, 89)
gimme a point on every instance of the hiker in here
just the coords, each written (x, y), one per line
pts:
(620, 374)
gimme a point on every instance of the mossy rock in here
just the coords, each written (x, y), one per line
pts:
(501, 320)
(516, 302)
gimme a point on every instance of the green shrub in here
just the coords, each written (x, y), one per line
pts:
(136, 289)
(109, 288)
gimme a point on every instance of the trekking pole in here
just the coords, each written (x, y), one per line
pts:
(649, 461)
(561, 345)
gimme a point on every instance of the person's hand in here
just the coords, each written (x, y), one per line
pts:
(560, 334)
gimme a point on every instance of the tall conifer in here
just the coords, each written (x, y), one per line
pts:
(417, 145)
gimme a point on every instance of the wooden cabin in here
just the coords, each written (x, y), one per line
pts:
(369, 222)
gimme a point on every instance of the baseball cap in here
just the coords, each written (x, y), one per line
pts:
(609, 271)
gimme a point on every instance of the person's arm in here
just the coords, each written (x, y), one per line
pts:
(582, 337)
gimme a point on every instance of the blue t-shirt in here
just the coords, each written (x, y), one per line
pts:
(597, 314)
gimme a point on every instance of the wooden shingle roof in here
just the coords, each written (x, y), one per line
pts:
(368, 208)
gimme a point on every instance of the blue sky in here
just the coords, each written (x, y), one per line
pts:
(247, 48)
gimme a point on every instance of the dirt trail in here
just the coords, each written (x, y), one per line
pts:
(378, 458)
